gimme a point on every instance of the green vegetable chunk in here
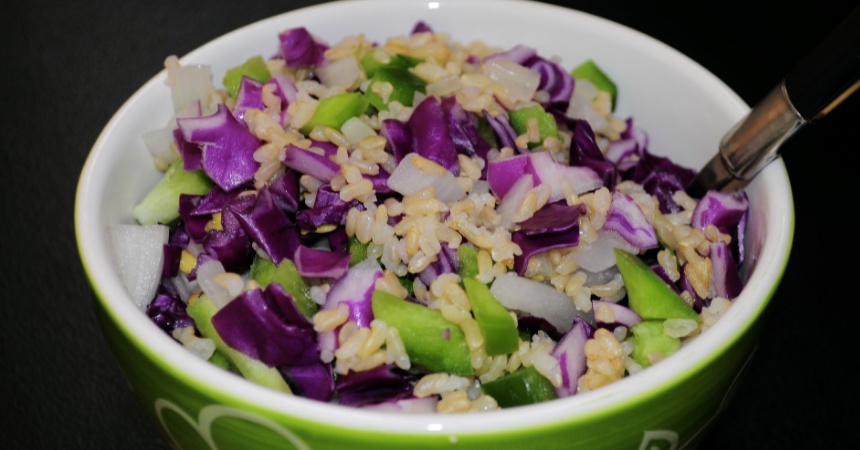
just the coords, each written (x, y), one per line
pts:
(378, 57)
(264, 271)
(486, 132)
(495, 322)
(254, 67)
(649, 295)
(431, 341)
(202, 310)
(651, 343)
(403, 83)
(333, 111)
(589, 70)
(221, 360)
(546, 122)
(468, 256)
(161, 204)
(357, 251)
(523, 387)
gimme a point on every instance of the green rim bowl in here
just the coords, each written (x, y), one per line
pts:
(685, 110)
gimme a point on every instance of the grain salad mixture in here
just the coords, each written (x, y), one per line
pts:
(421, 225)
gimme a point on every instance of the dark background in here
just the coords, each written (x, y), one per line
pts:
(67, 66)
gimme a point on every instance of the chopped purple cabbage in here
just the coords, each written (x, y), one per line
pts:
(231, 244)
(626, 218)
(266, 325)
(570, 354)
(286, 192)
(269, 228)
(225, 147)
(307, 162)
(729, 213)
(585, 152)
(726, 278)
(661, 178)
(447, 262)
(314, 381)
(431, 137)
(299, 48)
(505, 132)
(172, 255)
(167, 311)
(381, 384)
(556, 225)
(249, 96)
(316, 263)
(554, 80)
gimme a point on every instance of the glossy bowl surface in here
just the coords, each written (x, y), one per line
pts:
(684, 109)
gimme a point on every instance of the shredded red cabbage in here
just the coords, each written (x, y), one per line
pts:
(300, 48)
(266, 325)
(226, 147)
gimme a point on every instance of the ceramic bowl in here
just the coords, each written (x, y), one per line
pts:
(684, 108)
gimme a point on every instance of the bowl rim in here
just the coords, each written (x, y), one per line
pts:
(230, 388)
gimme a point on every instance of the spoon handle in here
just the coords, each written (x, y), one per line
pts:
(828, 74)
(817, 84)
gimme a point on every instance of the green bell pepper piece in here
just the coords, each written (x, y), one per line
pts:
(468, 256)
(378, 57)
(254, 67)
(431, 341)
(161, 203)
(333, 111)
(357, 251)
(522, 387)
(589, 70)
(221, 360)
(495, 322)
(403, 82)
(546, 122)
(264, 271)
(648, 294)
(650, 339)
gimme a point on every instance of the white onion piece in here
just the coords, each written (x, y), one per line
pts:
(206, 273)
(510, 204)
(344, 72)
(408, 179)
(138, 254)
(599, 255)
(520, 83)
(158, 143)
(480, 187)
(580, 108)
(355, 129)
(535, 298)
(584, 88)
(554, 174)
(183, 286)
(601, 277)
(188, 84)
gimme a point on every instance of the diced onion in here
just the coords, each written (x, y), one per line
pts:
(138, 252)
(535, 298)
(344, 72)
(519, 82)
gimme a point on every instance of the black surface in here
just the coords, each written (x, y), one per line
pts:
(67, 66)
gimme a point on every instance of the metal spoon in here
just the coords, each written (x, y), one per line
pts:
(820, 82)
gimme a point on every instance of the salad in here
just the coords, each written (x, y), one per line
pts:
(421, 225)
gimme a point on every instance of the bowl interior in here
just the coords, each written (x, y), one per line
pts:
(684, 109)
